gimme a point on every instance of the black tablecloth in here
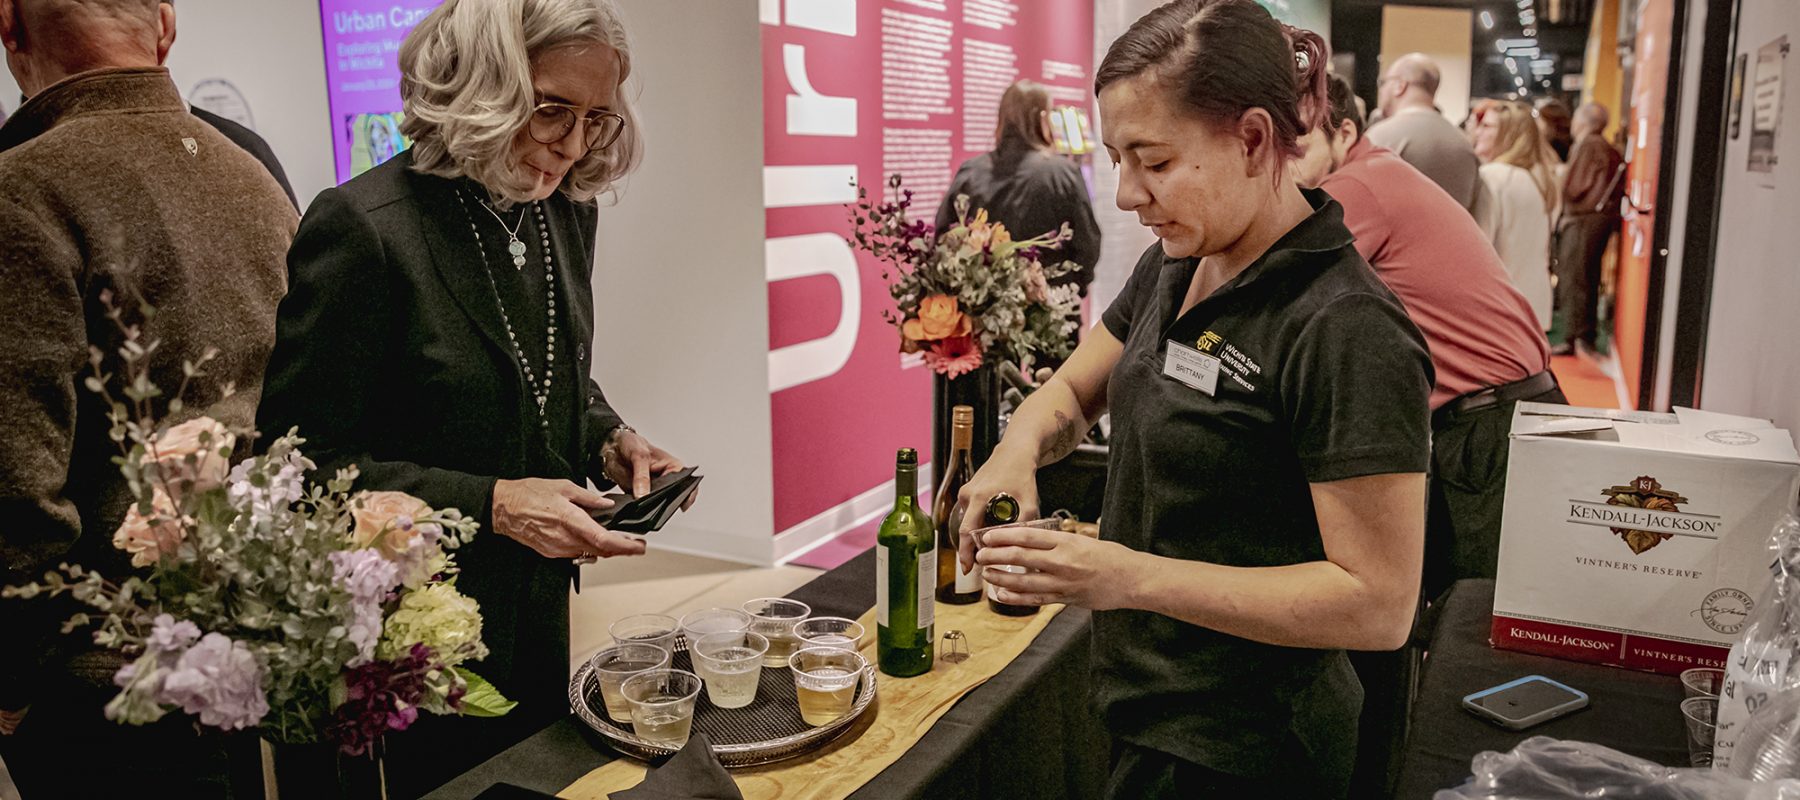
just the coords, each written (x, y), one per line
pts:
(1633, 712)
(1026, 732)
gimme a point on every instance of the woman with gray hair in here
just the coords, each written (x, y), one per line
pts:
(437, 328)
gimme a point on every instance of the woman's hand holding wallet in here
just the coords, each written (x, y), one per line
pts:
(553, 518)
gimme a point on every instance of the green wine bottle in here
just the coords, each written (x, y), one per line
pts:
(1002, 509)
(905, 574)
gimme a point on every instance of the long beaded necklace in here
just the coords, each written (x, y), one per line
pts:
(540, 391)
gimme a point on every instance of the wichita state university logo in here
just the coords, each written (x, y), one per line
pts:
(1647, 494)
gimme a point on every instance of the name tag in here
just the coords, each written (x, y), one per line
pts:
(1192, 367)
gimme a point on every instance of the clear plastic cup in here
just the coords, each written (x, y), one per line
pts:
(656, 629)
(731, 664)
(662, 705)
(829, 632)
(1701, 715)
(614, 664)
(1702, 682)
(698, 624)
(775, 618)
(825, 678)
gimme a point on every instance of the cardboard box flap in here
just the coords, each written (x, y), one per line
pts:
(1728, 436)
(1685, 431)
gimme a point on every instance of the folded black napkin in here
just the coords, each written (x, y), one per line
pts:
(508, 791)
(693, 773)
(649, 513)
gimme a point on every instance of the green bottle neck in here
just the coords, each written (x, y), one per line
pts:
(906, 487)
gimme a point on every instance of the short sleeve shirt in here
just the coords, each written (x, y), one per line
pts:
(1317, 375)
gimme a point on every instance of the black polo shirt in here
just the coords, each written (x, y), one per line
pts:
(1317, 375)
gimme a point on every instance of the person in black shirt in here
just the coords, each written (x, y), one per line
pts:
(1024, 185)
(1265, 500)
(438, 326)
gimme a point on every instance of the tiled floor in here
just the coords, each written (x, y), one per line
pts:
(659, 582)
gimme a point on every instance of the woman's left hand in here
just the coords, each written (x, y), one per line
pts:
(631, 461)
(1069, 568)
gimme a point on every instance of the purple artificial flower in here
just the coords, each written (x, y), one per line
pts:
(219, 681)
(169, 636)
(368, 577)
(382, 697)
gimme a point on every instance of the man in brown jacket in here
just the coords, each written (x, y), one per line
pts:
(107, 183)
(1590, 214)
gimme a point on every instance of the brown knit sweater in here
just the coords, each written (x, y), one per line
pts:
(107, 182)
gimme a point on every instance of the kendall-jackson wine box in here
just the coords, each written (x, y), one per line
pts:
(1636, 539)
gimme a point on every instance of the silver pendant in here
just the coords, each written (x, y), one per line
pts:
(518, 262)
(516, 247)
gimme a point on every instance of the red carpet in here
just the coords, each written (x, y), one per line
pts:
(1584, 383)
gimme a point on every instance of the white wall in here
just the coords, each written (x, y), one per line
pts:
(680, 298)
(1445, 34)
(1750, 365)
(270, 51)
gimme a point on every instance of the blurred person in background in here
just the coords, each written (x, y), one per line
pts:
(1414, 130)
(1554, 121)
(1486, 346)
(1023, 184)
(1518, 195)
(1592, 191)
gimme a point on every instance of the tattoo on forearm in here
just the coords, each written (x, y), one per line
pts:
(1063, 442)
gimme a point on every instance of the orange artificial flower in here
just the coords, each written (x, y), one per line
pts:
(939, 318)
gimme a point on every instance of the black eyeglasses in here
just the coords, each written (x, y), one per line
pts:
(552, 122)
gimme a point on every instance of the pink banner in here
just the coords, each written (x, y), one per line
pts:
(863, 89)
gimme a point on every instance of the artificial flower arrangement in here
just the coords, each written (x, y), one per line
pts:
(971, 293)
(308, 612)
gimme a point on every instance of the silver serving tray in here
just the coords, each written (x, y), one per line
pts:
(585, 700)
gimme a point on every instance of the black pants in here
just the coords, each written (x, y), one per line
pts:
(66, 748)
(1468, 488)
(1580, 247)
(1140, 773)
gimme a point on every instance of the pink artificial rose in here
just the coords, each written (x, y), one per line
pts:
(388, 516)
(149, 539)
(171, 449)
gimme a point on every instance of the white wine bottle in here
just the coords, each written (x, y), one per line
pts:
(905, 572)
(954, 585)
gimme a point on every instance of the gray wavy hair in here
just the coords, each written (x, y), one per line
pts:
(466, 90)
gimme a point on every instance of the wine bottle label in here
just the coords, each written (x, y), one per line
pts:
(881, 585)
(927, 576)
(967, 580)
(993, 592)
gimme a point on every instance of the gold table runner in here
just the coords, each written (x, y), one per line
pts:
(904, 709)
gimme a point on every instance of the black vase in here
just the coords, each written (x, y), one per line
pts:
(978, 389)
(318, 770)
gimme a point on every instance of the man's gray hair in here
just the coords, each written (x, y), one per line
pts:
(1418, 68)
(466, 91)
(1594, 115)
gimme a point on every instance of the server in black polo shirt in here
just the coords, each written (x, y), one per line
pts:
(1265, 505)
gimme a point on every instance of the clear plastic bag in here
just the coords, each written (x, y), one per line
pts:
(1763, 673)
(1542, 768)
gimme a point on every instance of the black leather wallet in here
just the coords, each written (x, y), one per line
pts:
(651, 512)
